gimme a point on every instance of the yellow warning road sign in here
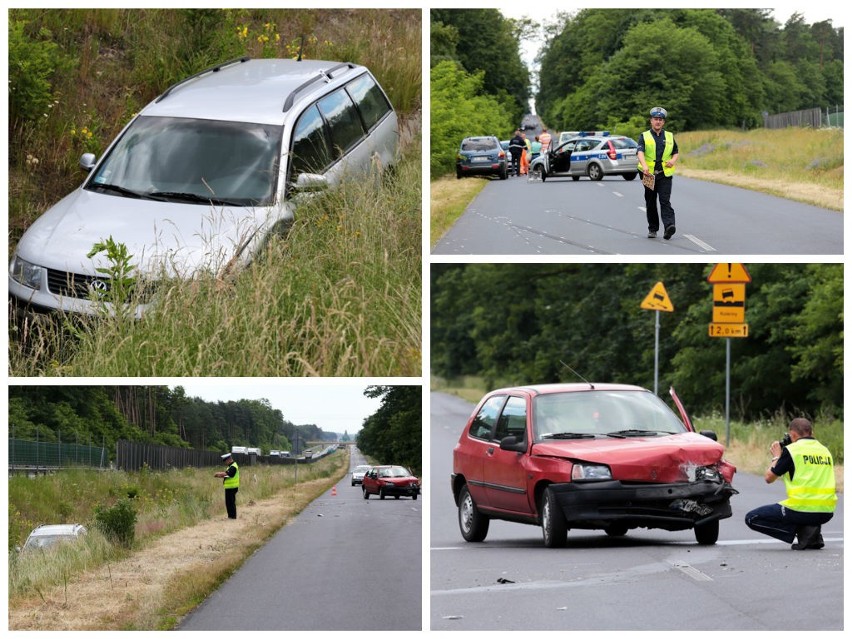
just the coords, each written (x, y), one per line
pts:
(657, 300)
(729, 303)
(728, 273)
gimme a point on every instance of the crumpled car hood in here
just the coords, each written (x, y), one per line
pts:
(163, 237)
(660, 459)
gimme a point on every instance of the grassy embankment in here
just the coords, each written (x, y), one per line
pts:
(339, 296)
(797, 164)
(748, 448)
(183, 549)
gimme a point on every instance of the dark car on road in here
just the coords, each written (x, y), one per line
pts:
(589, 156)
(390, 481)
(588, 456)
(482, 155)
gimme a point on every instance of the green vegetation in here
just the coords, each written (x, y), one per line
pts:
(118, 522)
(394, 433)
(722, 67)
(340, 295)
(517, 323)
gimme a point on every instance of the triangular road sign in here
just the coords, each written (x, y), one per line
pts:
(729, 273)
(657, 300)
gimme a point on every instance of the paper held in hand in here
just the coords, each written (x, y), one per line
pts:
(648, 180)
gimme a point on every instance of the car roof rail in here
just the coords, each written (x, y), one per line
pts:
(322, 75)
(213, 69)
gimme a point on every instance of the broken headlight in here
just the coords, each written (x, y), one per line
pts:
(707, 473)
(590, 472)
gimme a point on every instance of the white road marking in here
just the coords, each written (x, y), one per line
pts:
(692, 572)
(700, 243)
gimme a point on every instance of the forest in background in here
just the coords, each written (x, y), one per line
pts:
(512, 324)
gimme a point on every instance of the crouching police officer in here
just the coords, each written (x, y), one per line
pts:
(808, 471)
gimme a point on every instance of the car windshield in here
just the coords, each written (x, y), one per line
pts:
(193, 161)
(394, 471)
(478, 145)
(43, 541)
(602, 413)
(362, 469)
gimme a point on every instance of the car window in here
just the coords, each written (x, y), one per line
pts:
(343, 121)
(310, 145)
(478, 145)
(624, 143)
(513, 419)
(584, 145)
(371, 101)
(486, 419)
(234, 161)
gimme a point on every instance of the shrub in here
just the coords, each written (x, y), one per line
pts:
(117, 523)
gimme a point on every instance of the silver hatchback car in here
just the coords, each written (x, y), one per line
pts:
(204, 174)
(590, 156)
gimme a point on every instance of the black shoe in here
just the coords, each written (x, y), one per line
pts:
(652, 234)
(670, 230)
(809, 538)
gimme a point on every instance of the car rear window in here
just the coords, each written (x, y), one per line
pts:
(370, 99)
(624, 143)
(478, 145)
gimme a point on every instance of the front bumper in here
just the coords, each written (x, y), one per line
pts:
(677, 506)
(405, 491)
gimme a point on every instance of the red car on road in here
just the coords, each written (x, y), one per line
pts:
(588, 456)
(386, 481)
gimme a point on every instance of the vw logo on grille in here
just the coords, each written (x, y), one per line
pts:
(98, 286)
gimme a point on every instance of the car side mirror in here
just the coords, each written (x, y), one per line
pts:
(310, 183)
(87, 161)
(711, 434)
(513, 444)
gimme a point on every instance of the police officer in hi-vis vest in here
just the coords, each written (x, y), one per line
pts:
(231, 476)
(808, 471)
(658, 155)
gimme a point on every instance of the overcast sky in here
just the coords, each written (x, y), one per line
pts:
(334, 405)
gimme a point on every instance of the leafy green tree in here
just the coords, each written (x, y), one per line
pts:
(394, 433)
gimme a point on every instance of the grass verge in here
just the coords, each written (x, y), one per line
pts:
(449, 197)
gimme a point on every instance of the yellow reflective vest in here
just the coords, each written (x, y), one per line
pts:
(651, 152)
(812, 488)
(233, 482)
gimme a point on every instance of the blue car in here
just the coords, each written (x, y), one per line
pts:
(481, 155)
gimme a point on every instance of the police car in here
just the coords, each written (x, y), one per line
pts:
(590, 154)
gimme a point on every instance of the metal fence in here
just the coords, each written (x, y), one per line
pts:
(136, 455)
(30, 455)
(813, 118)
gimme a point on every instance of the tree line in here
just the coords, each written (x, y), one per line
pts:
(710, 68)
(101, 415)
(394, 433)
(532, 323)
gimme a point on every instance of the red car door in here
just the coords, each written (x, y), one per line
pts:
(475, 447)
(504, 470)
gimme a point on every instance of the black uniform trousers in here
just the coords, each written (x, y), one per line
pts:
(663, 190)
(231, 502)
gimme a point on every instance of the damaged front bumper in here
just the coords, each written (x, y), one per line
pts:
(677, 506)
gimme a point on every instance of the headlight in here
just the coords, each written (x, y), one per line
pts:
(707, 473)
(25, 273)
(590, 472)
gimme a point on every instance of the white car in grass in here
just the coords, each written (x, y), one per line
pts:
(50, 534)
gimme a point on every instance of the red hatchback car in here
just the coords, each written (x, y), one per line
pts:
(588, 456)
(387, 481)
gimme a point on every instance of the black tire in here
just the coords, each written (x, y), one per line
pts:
(629, 176)
(576, 178)
(458, 174)
(414, 496)
(542, 174)
(616, 530)
(396, 496)
(504, 174)
(707, 534)
(554, 528)
(595, 172)
(472, 523)
(366, 494)
(381, 493)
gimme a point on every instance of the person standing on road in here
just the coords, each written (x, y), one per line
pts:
(231, 477)
(658, 154)
(545, 139)
(808, 471)
(516, 147)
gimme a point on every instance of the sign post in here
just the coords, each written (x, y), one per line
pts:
(657, 300)
(728, 282)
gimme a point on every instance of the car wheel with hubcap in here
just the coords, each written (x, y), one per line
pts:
(595, 172)
(472, 523)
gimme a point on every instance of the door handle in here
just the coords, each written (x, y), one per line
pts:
(489, 451)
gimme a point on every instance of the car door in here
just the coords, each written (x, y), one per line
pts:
(560, 159)
(504, 471)
(580, 157)
(477, 446)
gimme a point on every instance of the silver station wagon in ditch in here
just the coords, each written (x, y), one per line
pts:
(202, 177)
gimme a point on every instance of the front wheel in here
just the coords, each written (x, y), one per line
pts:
(366, 494)
(707, 534)
(414, 496)
(629, 176)
(381, 493)
(554, 528)
(472, 523)
(595, 172)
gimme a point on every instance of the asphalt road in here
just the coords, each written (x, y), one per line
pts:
(647, 580)
(345, 563)
(564, 217)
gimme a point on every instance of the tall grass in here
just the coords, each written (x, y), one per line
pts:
(164, 502)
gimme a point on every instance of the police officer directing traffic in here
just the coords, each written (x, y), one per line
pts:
(231, 477)
(808, 471)
(658, 155)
